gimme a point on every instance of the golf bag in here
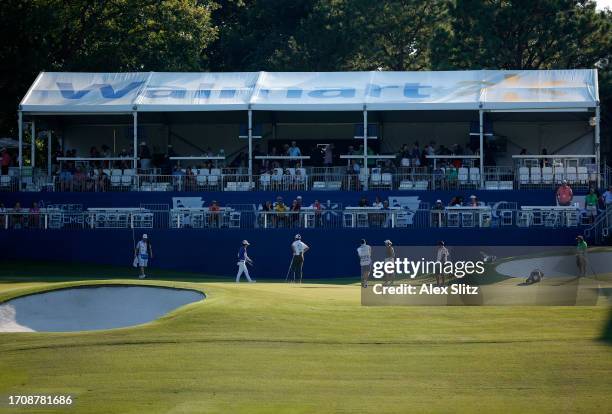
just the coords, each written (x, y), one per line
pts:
(536, 276)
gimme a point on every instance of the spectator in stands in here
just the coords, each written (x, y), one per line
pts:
(17, 218)
(523, 152)
(452, 173)
(545, 162)
(65, 179)
(473, 201)
(377, 203)
(328, 156)
(80, 180)
(363, 202)
(430, 149)
(415, 155)
(93, 152)
(100, 179)
(590, 204)
(316, 206)
(299, 200)
(442, 150)
(607, 197)
(294, 150)
(295, 210)
(388, 168)
(214, 211)
(209, 152)
(354, 168)
(34, 215)
(2, 216)
(437, 216)
(145, 156)
(565, 195)
(456, 201)
(351, 150)
(267, 206)
(280, 209)
(5, 161)
(404, 156)
(190, 179)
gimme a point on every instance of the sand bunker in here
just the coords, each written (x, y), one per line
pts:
(556, 266)
(91, 308)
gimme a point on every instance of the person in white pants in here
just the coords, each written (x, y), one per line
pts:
(243, 259)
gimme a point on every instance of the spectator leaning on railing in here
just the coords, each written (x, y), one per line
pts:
(565, 195)
(590, 203)
(214, 214)
(438, 216)
(5, 161)
(607, 197)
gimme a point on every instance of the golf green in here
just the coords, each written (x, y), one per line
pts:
(276, 348)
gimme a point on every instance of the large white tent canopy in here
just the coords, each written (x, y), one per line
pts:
(58, 93)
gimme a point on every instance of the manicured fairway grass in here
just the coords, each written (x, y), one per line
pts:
(270, 347)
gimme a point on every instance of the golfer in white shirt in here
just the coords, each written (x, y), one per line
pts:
(365, 261)
(442, 256)
(298, 248)
(142, 252)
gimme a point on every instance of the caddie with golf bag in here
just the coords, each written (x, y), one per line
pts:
(142, 253)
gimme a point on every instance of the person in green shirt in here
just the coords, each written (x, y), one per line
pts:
(581, 259)
(590, 203)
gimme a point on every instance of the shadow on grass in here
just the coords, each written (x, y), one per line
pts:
(606, 335)
(49, 272)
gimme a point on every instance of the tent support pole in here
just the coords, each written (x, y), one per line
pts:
(250, 131)
(365, 147)
(49, 153)
(33, 145)
(597, 143)
(135, 155)
(481, 136)
(20, 159)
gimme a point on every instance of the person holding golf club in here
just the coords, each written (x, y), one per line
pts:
(581, 259)
(142, 253)
(298, 248)
(243, 260)
(364, 251)
(442, 256)
(389, 257)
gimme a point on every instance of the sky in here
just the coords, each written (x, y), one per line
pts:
(601, 4)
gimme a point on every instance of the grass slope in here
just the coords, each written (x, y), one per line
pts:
(269, 347)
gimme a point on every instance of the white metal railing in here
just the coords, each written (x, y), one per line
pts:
(498, 215)
(303, 179)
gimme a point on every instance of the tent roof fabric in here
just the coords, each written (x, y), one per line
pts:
(55, 92)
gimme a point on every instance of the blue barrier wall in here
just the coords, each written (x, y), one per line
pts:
(213, 251)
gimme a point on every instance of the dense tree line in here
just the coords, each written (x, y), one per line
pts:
(291, 35)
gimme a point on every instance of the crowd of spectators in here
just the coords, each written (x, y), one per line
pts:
(19, 217)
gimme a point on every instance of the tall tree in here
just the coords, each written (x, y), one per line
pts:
(523, 34)
(98, 35)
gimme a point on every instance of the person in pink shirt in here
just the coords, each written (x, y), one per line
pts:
(565, 195)
(5, 161)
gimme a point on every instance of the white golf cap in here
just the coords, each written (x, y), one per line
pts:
(144, 236)
(298, 237)
(388, 242)
(438, 201)
(472, 196)
(246, 243)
